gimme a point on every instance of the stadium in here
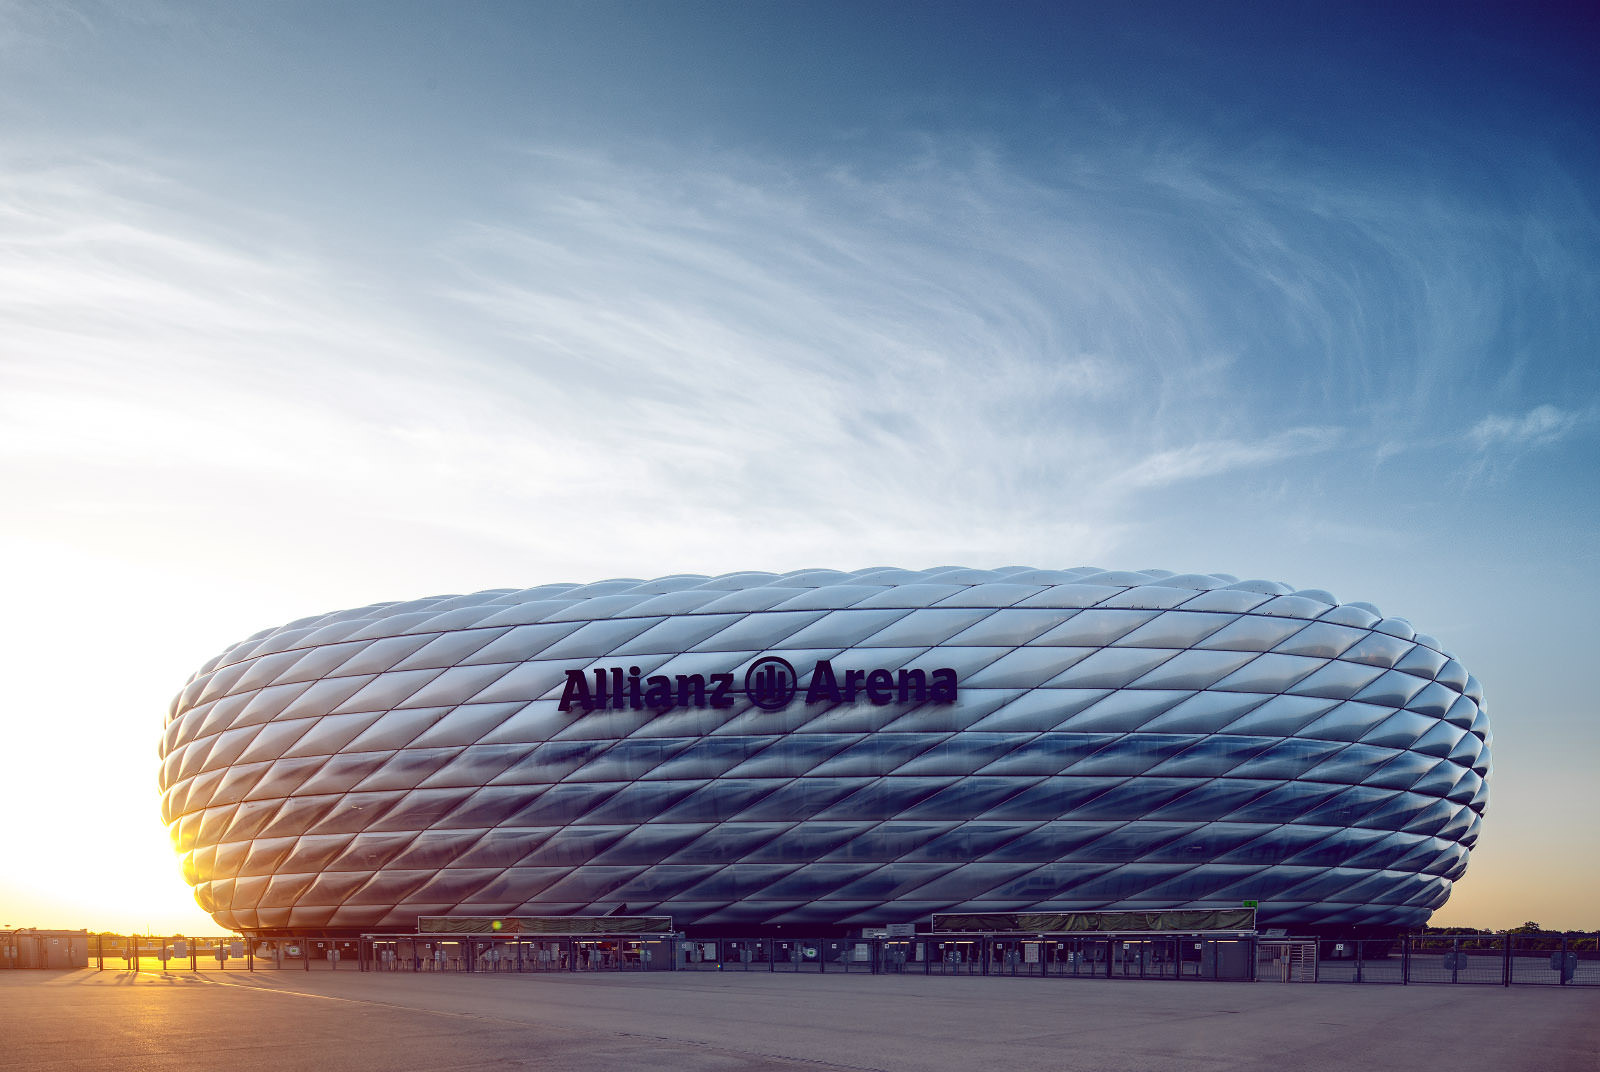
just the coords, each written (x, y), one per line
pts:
(834, 751)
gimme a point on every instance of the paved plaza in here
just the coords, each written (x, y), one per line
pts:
(149, 1021)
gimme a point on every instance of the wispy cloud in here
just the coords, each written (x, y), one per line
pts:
(848, 345)
(1200, 460)
(766, 360)
(1537, 427)
(622, 353)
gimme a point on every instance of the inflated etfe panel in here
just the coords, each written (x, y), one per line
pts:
(831, 748)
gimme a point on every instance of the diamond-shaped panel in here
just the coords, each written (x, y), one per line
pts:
(1120, 741)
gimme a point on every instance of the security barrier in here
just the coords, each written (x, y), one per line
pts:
(228, 953)
(1467, 959)
(1470, 959)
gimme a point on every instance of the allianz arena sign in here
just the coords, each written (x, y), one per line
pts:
(770, 683)
(830, 750)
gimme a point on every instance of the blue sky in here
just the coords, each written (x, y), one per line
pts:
(306, 305)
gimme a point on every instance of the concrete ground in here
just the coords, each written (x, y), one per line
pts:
(666, 1022)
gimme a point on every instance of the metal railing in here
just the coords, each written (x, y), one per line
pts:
(226, 953)
(1466, 959)
(1473, 959)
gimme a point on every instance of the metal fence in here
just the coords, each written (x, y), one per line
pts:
(1101, 957)
(1487, 960)
(228, 953)
(974, 954)
(1482, 959)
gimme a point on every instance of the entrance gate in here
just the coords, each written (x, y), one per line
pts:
(1287, 960)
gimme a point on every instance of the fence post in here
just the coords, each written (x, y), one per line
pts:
(1565, 975)
(1505, 972)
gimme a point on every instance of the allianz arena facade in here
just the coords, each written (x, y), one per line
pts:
(830, 750)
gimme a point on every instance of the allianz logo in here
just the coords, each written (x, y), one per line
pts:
(770, 684)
